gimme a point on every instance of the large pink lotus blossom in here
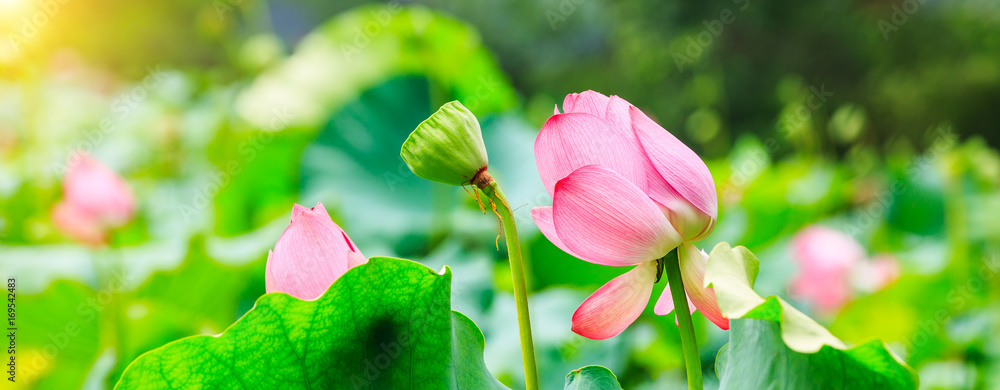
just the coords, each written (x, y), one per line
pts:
(832, 264)
(310, 255)
(625, 192)
(95, 200)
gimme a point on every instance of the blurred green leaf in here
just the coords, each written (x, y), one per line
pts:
(386, 324)
(551, 266)
(201, 296)
(789, 195)
(58, 339)
(72, 325)
(361, 48)
(773, 345)
(354, 167)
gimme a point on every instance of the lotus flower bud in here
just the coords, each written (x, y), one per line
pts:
(447, 147)
(96, 199)
(310, 255)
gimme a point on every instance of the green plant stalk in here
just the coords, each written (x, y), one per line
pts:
(498, 200)
(688, 342)
(107, 263)
(118, 268)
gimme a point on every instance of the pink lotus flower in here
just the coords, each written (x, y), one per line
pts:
(831, 264)
(624, 192)
(875, 273)
(310, 255)
(95, 200)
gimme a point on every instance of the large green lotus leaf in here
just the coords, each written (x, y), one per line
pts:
(592, 378)
(773, 345)
(383, 325)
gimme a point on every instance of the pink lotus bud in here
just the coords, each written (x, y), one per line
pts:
(310, 255)
(95, 200)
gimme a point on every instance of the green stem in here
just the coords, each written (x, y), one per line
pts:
(520, 287)
(688, 342)
(111, 268)
(117, 269)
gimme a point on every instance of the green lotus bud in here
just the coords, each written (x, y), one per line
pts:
(447, 147)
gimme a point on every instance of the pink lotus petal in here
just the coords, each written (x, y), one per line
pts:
(589, 102)
(270, 282)
(617, 113)
(310, 255)
(819, 249)
(619, 116)
(570, 141)
(826, 258)
(94, 189)
(79, 225)
(682, 171)
(616, 305)
(665, 304)
(827, 294)
(882, 270)
(603, 218)
(355, 259)
(874, 274)
(543, 219)
(692, 262)
(689, 221)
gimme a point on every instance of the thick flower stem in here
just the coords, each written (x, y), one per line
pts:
(499, 203)
(688, 342)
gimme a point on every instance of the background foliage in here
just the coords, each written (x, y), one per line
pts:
(861, 116)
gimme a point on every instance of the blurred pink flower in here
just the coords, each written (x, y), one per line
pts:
(831, 263)
(624, 192)
(876, 273)
(95, 200)
(310, 255)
